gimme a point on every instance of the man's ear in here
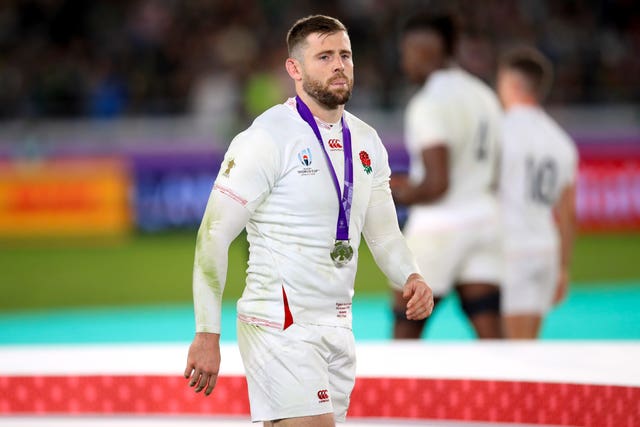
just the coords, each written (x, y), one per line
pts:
(294, 68)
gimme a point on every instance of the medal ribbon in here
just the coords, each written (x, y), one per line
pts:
(345, 197)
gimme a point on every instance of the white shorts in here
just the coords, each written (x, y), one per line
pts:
(530, 280)
(464, 253)
(302, 371)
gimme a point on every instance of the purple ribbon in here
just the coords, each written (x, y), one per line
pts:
(345, 197)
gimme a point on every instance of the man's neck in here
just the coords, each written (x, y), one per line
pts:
(444, 66)
(320, 111)
(520, 101)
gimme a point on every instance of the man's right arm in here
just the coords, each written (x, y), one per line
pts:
(435, 184)
(246, 177)
(223, 221)
(426, 133)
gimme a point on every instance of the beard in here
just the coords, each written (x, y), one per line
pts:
(324, 94)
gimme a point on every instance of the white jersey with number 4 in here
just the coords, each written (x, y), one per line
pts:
(539, 160)
(456, 109)
(456, 238)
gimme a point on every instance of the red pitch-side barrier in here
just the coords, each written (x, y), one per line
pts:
(437, 399)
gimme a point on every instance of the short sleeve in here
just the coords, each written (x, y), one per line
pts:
(573, 163)
(510, 160)
(250, 168)
(425, 124)
(567, 154)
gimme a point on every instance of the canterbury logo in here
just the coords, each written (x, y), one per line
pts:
(323, 395)
(335, 144)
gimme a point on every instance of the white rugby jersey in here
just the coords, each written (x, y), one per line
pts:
(539, 160)
(459, 110)
(277, 169)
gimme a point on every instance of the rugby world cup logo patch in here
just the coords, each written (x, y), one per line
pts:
(305, 157)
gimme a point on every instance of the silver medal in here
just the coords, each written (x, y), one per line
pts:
(341, 253)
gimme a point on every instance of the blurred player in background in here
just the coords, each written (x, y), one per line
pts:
(306, 179)
(452, 126)
(537, 187)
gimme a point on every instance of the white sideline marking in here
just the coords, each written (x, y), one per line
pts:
(579, 362)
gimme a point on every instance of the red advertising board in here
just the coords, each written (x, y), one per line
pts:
(608, 188)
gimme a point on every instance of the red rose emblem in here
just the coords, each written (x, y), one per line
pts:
(364, 158)
(366, 161)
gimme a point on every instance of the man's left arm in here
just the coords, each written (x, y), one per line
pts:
(565, 216)
(391, 253)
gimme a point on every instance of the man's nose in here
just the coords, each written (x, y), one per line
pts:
(338, 64)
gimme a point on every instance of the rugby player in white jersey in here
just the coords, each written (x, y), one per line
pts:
(537, 191)
(452, 126)
(306, 179)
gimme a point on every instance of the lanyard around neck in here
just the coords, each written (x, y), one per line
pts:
(345, 197)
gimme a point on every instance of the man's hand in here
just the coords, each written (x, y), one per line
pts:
(203, 362)
(420, 297)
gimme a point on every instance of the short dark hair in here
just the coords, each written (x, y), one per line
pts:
(322, 24)
(533, 66)
(444, 25)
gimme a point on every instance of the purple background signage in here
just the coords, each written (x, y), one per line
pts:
(171, 189)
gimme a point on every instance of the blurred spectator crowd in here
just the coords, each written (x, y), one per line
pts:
(111, 58)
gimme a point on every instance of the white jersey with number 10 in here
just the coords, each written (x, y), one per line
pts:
(539, 161)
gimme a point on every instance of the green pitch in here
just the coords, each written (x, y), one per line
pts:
(153, 269)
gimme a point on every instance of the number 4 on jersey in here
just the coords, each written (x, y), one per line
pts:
(482, 144)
